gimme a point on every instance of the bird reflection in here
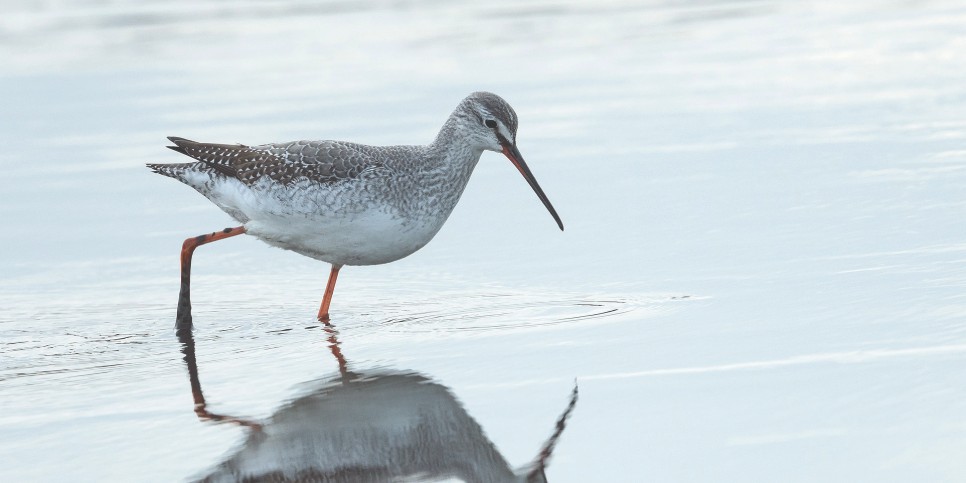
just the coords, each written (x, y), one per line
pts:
(367, 426)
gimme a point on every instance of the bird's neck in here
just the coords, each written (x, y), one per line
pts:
(447, 165)
(452, 154)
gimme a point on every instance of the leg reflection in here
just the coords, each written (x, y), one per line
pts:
(201, 409)
(334, 344)
(186, 337)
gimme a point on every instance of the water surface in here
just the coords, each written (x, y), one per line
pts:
(761, 279)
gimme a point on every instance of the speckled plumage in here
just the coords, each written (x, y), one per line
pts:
(348, 203)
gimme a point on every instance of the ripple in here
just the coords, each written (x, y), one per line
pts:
(476, 313)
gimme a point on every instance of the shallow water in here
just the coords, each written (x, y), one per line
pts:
(761, 279)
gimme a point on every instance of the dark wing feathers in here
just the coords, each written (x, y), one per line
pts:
(220, 157)
(321, 161)
(171, 170)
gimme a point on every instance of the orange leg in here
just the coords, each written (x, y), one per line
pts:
(327, 297)
(187, 249)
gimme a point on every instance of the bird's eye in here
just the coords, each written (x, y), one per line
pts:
(490, 123)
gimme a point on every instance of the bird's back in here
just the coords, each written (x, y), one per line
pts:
(323, 162)
(335, 201)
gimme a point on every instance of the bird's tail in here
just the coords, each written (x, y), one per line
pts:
(170, 170)
(175, 170)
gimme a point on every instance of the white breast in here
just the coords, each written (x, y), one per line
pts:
(332, 223)
(368, 238)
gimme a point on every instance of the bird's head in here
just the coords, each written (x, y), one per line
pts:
(490, 123)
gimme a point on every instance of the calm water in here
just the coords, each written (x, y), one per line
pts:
(763, 276)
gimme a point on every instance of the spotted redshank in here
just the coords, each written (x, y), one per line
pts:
(346, 203)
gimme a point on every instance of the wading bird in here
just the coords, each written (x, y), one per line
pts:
(346, 203)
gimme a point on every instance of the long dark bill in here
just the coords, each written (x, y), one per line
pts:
(513, 154)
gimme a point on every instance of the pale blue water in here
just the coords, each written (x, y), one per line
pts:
(762, 277)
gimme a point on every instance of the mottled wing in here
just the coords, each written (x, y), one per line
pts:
(284, 163)
(321, 161)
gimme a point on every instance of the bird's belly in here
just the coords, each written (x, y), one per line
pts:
(369, 238)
